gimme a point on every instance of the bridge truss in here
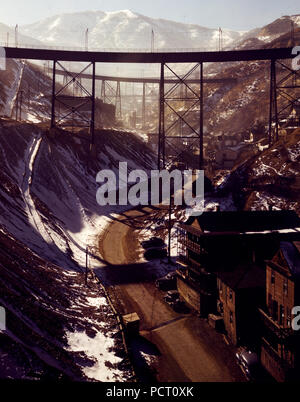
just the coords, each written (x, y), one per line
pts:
(284, 97)
(78, 109)
(180, 115)
(112, 95)
(178, 100)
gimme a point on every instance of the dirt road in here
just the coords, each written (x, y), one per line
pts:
(190, 349)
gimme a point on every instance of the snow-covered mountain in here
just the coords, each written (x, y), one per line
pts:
(10, 36)
(125, 30)
(258, 37)
(278, 27)
(129, 30)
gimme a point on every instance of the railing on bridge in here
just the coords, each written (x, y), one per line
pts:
(110, 50)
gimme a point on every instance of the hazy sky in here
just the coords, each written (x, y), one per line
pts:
(234, 14)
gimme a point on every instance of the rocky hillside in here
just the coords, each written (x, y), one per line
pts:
(239, 106)
(30, 82)
(271, 178)
(57, 328)
(49, 215)
(259, 37)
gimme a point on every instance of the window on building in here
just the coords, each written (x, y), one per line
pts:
(230, 294)
(285, 287)
(220, 307)
(288, 317)
(230, 317)
(281, 314)
(275, 310)
(270, 303)
(272, 277)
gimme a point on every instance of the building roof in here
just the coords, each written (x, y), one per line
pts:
(244, 277)
(246, 221)
(291, 253)
(296, 107)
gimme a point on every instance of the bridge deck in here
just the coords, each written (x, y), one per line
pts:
(155, 57)
(146, 80)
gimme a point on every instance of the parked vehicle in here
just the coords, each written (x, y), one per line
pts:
(171, 296)
(249, 363)
(154, 242)
(167, 282)
(180, 307)
(173, 299)
(155, 253)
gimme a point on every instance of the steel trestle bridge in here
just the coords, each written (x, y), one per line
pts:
(196, 99)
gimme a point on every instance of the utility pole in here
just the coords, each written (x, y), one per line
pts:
(161, 122)
(220, 39)
(201, 164)
(53, 99)
(92, 126)
(169, 228)
(103, 94)
(7, 39)
(87, 39)
(292, 33)
(19, 101)
(29, 99)
(17, 106)
(144, 106)
(152, 41)
(86, 264)
(16, 35)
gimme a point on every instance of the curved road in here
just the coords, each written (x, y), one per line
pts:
(190, 349)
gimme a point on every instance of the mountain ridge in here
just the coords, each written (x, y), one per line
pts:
(125, 29)
(129, 28)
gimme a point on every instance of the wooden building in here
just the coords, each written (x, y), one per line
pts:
(220, 241)
(241, 293)
(280, 349)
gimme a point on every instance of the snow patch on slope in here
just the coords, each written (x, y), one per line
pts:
(97, 348)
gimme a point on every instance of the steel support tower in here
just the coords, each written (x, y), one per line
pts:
(112, 95)
(284, 97)
(75, 100)
(180, 116)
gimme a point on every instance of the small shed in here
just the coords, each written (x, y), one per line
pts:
(216, 322)
(131, 323)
